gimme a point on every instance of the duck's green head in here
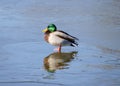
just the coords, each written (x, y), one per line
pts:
(50, 28)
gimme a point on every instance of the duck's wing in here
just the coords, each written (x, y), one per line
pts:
(66, 36)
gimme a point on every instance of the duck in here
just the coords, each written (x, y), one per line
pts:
(58, 38)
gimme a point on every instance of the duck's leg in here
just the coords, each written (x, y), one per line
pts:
(59, 48)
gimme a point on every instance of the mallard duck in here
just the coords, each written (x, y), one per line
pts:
(58, 37)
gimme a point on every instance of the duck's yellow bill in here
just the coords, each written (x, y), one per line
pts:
(45, 30)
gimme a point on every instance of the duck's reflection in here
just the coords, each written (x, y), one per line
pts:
(57, 61)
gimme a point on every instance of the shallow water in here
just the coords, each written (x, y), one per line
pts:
(26, 59)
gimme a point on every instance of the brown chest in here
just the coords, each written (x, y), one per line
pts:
(46, 37)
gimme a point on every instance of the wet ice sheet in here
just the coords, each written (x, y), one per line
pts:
(23, 50)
